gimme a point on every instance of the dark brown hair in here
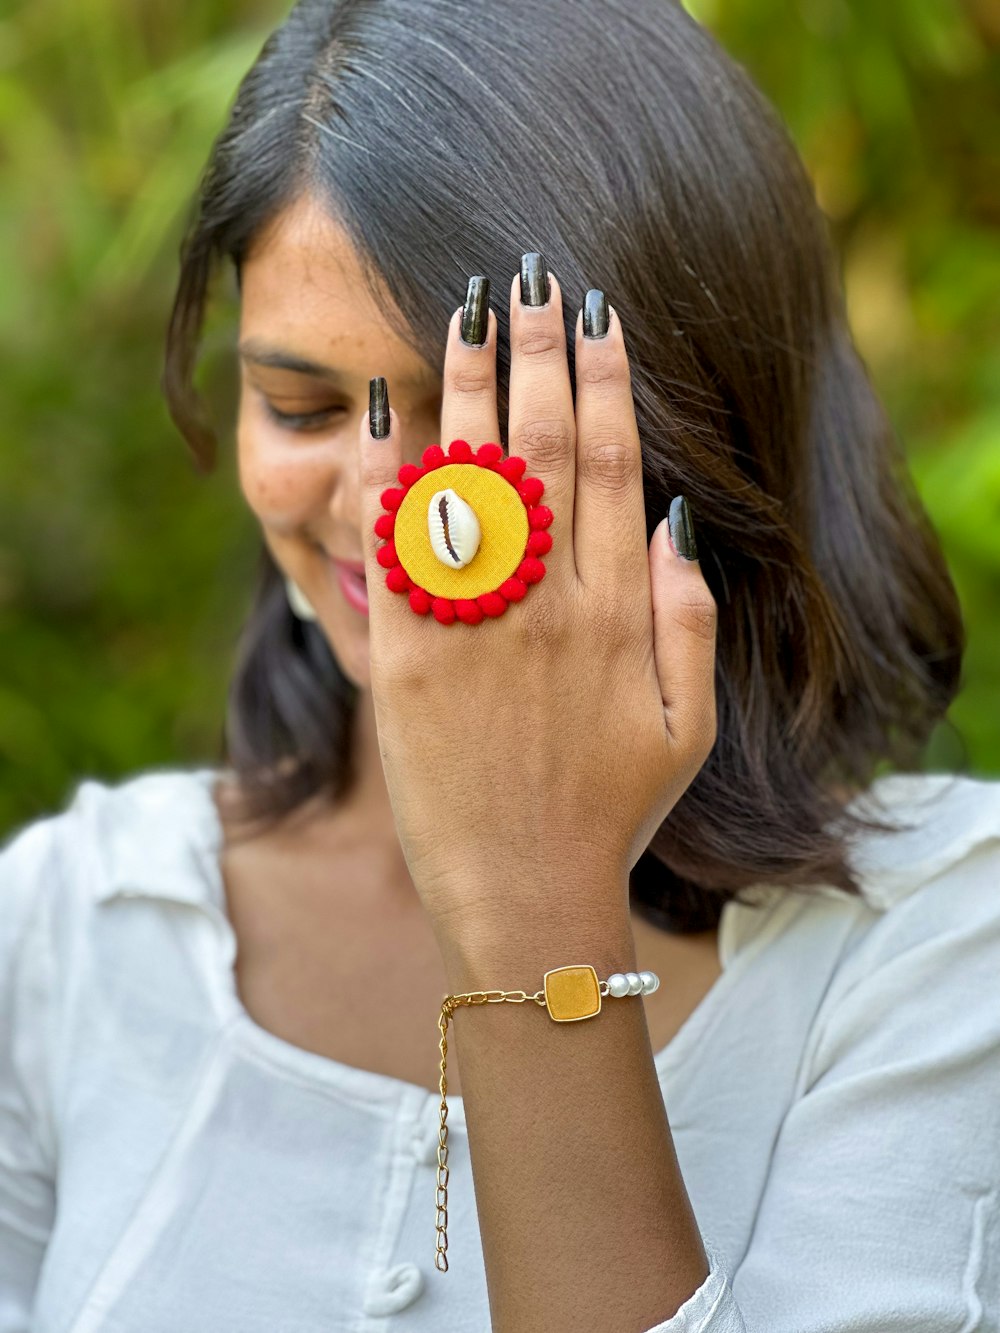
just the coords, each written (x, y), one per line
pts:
(618, 138)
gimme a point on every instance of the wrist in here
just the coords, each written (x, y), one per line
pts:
(514, 945)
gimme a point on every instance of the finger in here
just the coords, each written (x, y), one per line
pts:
(379, 461)
(609, 522)
(541, 423)
(685, 620)
(469, 406)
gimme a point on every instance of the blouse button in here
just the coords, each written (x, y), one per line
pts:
(395, 1289)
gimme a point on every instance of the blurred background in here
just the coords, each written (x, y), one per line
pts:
(125, 575)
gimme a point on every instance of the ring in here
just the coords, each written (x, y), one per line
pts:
(464, 532)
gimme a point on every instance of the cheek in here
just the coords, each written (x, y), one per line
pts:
(283, 486)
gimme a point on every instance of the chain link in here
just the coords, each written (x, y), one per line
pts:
(451, 1003)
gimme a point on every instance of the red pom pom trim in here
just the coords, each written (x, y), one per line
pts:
(513, 589)
(492, 603)
(398, 580)
(470, 612)
(488, 605)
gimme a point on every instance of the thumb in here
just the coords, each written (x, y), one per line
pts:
(685, 619)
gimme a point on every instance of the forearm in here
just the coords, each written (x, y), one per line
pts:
(584, 1217)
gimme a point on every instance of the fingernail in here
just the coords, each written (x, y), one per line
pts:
(534, 279)
(681, 528)
(378, 407)
(476, 312)
(595, 314)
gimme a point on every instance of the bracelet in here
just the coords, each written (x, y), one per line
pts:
(569, 994)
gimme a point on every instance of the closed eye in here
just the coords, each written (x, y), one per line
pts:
(301, 421)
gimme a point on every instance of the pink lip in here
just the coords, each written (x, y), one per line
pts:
(352, 585)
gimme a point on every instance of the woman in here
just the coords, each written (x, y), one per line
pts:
(663, 748)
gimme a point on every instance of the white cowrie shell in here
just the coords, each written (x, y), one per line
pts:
(454, 529)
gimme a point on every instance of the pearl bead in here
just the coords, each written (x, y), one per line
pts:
(618, 985)
(650, 981)
(634, 983)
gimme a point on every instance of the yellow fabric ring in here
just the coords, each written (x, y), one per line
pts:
(503, 521)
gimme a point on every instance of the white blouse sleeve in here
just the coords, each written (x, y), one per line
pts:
(27, 1137)
(881, 1209)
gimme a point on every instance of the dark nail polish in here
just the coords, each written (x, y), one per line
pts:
(682, 528)
(378, 407)
(534, 279)
(595, 314)
(476, 313)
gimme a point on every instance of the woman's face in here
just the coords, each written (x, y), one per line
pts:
(304, 300)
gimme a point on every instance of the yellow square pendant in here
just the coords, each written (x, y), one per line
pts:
(572, 992)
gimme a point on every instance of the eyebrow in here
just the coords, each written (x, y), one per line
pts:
(265, 354)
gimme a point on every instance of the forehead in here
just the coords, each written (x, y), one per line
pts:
(303, 288)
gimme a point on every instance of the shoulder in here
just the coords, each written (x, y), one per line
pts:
(938, 876)
(153, 833)
(887, 1146)
(939, 827)
(925, 949)
(945, 823)
(916, 828)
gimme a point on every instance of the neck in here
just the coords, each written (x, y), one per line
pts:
(362, 819)
(368, 798)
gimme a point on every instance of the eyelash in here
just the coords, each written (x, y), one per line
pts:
(300, 421)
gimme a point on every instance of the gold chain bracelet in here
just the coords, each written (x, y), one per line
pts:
(569, 994)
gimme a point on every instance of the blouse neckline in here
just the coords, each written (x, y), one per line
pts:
(372, 1086)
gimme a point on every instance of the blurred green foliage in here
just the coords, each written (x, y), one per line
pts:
(125, 574)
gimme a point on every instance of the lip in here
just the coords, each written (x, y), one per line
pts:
(352, 585)
(355, 566)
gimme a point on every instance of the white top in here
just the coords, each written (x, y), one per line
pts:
(167, 1165)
